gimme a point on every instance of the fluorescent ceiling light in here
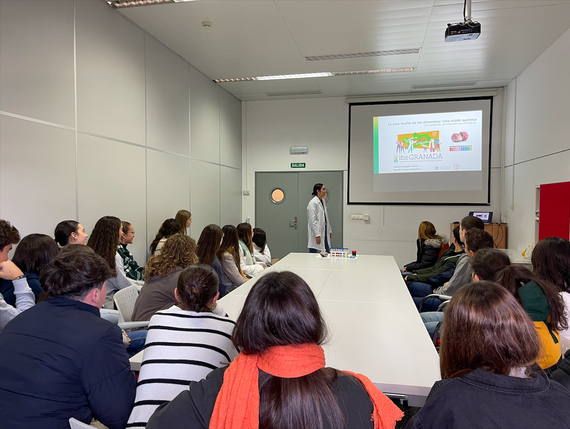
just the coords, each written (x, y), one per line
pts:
(364, 54)
(295, 76)
(313, 75)
(132, 3)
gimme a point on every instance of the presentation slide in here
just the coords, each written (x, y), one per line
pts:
(434, 142)
(430, 151)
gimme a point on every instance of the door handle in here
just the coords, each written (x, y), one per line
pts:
(293, 223)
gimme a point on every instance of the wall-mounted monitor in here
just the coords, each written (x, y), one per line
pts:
(420, 152)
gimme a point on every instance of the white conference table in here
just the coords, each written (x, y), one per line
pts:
(374, 326)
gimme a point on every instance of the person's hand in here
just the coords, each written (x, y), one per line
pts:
(406, 278)
(127, 338)
(9, 270)
(445, 284)
(264, 266)
(404, 270)
(318, 240)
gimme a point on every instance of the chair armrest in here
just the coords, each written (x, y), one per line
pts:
(132, 325)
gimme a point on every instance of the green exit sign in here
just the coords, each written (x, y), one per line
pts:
(298, 165)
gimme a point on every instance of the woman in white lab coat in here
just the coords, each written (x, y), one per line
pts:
(318, 224)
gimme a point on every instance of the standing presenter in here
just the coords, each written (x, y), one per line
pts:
(319, 227)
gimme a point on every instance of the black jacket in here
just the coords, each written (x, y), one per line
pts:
(427, 253)
(562, 374)
(58, 360)
(448, 259)
(484, 400)
(193, 408)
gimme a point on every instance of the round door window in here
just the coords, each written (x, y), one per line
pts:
(277, 196)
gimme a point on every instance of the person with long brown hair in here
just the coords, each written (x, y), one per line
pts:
(551, 262)
(161, 274)
(228, 253)
(104, 241)
(33, 253)
(185, 342)
(208, 246)
(539, 298)
(184, 218)
(279, 380)
(248, 264)
(487, 361)
(168, 228)
(429, 245)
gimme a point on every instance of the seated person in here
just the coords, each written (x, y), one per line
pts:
(31, 255)
(69, 232)
(162, 274)
(447, 259)
(132, 270)
(551, 262)
(539, 299)
(185, 343)
(475, 239)
(261, 252)
(208, 246)
(104, 241)
(247, 263)
(228, 255)
(24, 296)
(279, 380)
(168, 228)
(489, 376)
(428, 244)
(184, 218)
(60, 359)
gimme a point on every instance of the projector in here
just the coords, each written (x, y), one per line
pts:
(468, 30)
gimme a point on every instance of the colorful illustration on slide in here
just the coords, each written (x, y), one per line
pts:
(425, 141)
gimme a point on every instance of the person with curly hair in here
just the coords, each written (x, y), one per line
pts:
(104, 241)
(168, 228)
(161, 274)
(185, 342)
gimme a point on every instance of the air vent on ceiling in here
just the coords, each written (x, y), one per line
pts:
(364, 54)
(445, 85)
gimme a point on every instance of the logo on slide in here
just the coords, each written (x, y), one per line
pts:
(423, 141)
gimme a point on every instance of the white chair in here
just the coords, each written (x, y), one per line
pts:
(125, 301)
(76, 424)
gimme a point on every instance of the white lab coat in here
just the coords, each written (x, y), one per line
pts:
(316, 224)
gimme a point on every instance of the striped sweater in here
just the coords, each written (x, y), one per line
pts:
(181, 346)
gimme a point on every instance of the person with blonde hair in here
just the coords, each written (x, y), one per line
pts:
(184, 218)
(489, 347)
(428, 244)
(161, 274)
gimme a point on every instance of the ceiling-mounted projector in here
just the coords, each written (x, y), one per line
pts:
(462, 31)
(466, 30)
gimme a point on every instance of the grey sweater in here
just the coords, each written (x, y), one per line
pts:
(24, 299)
(461, 277)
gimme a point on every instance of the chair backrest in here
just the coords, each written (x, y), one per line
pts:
(125, 301)
(76, 424)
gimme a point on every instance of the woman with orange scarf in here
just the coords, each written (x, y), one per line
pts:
(279, 380)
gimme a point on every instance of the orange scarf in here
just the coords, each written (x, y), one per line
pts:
(237, 404)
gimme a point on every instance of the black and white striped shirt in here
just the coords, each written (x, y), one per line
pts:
(181, 346)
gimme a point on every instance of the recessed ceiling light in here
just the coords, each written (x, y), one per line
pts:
(314, 75)
(364, 54)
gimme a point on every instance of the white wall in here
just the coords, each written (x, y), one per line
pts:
(98, 118)
(537, 147)
(271, 127)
